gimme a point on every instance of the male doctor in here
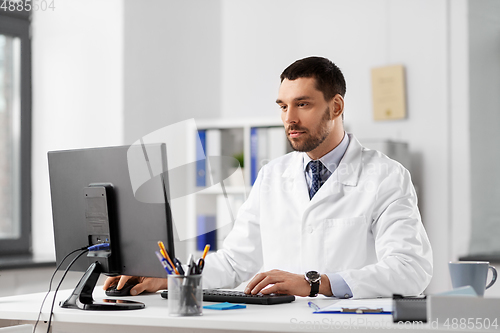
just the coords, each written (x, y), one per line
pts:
(331, 218)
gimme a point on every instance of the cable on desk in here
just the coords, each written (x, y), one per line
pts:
(50, 283)
(59, 285)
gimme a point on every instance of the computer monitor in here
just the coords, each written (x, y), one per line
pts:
(117, 196)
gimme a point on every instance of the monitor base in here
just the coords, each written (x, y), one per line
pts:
(81, 297)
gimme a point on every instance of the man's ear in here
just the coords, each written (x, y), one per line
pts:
(336, 106)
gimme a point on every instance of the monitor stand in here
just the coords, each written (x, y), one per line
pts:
(81, 298)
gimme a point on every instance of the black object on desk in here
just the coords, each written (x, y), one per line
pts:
(231, 296)
(409, 308)
(125, 291)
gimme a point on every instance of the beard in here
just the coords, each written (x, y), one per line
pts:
(312, 139)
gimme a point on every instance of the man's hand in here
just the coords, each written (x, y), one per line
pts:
(141, 283)
(285, 283)
(281, 283)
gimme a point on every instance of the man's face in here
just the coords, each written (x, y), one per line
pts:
(305, 113)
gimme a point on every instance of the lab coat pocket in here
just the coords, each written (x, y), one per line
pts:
(346, 242)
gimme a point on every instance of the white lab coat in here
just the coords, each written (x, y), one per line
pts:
(363, 224)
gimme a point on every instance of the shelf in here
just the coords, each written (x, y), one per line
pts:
(229, 190)
(491, 257)
(226, 123)
(255, 140)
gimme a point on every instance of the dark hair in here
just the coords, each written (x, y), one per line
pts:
(329, 79)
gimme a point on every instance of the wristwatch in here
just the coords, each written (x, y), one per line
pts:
(314, 279)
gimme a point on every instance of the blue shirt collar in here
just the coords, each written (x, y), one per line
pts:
(332, 159)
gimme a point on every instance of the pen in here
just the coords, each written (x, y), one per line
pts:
(313, 306)
(165, 254)
(201, 262)
(200, 265)
(163, 262)
(190, 259)
(163, 250)
(207, 247)
(193, 267)
(362, 310)
(178, 265)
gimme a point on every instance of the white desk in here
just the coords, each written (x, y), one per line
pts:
(291, 317)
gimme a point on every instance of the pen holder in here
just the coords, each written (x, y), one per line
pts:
(185, 295)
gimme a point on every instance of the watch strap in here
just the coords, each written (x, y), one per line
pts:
(314, 289)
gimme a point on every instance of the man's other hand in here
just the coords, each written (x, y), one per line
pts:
(278, 282)
(141, 283)
(281, 282)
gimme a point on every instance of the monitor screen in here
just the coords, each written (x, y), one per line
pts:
(130, 183)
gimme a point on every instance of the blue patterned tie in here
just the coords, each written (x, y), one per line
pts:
(316, 167)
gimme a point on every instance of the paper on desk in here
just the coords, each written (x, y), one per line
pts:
(384, 303)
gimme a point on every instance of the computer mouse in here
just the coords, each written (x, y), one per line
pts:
(125, 291)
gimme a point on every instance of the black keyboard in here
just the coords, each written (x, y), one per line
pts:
(231, 296)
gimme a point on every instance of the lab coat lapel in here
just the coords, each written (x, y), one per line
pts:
(294, 175)
(349, 168)
(346, 174)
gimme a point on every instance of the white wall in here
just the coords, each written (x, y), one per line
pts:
(77, 91)
(484, 118)
(460, 194)
(172, 63)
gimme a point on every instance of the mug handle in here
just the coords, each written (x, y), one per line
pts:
(494, 278)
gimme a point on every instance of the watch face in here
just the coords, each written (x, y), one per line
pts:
(312, 276)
